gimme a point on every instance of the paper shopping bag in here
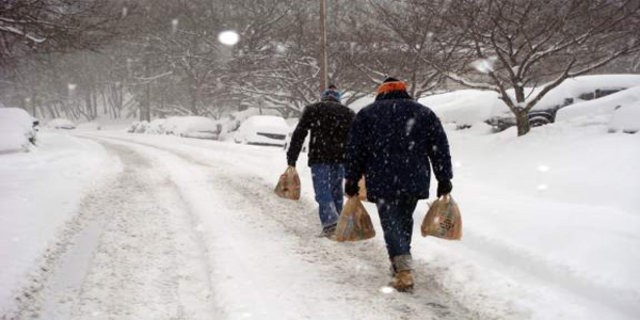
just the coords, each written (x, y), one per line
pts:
(443, 220)
(354, 223)
(288, 186)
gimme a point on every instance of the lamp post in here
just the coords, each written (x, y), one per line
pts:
(323, 46)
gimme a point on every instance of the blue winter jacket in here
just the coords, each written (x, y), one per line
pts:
(392, 142)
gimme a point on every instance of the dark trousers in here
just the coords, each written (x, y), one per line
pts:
(396, 217)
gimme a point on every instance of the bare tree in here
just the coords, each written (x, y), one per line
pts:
(393, 38)
(55, 25)
(536, 43)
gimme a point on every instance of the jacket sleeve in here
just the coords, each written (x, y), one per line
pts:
(439, 149)
(356, 152)
(299, 134)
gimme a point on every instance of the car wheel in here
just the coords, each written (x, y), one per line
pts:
(537, 121)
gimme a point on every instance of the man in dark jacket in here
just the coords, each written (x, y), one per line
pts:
(392, 142)
(329, 122)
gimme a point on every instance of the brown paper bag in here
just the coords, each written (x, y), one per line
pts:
(288, 186)
(443, 220)
(354, 222)
(362, 192)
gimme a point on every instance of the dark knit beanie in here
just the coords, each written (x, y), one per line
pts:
(331, 94)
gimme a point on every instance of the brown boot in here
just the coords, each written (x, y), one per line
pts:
(402, 277)
(402, 281)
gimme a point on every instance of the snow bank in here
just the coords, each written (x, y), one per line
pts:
(543, 208)
(40, 192)
(184, 126)
(89, 126)
(61, 123)
(265, 121)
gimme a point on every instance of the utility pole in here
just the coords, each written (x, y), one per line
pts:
(323, 46)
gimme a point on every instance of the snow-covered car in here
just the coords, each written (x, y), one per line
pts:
(305, 144)
(570, 91)
(464, 108)
(599, 110)
(89, 126)
(626, 118)
(263, 130)
(18, 130)
(61, 123)
(192, 127)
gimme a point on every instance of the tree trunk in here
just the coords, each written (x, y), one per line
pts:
(87, 105)
(522, 122)
(145, 113)
(195, 97)
(34, 104)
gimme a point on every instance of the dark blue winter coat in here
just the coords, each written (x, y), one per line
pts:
(392, 142)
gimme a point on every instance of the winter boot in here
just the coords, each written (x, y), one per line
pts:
(329, 231)
(402, 278)
(402, 281)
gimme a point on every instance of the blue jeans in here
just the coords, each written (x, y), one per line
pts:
(396, 217)
(327, 184)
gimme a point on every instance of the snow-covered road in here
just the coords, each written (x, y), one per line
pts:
(190, 229)
(175, 236)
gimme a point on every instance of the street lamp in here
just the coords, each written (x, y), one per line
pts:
(323, 46)
(228, 37)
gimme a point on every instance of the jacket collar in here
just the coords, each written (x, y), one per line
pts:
(393, 95)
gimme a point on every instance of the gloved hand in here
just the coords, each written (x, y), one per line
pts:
(444, 187)
(351, 188)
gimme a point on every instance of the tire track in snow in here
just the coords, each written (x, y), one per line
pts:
(359, 268)
(151, 262)
(145, 259)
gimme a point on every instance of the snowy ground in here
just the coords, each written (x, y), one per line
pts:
(109, 225)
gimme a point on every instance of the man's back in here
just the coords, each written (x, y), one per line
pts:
(329, 123)
(395, 141)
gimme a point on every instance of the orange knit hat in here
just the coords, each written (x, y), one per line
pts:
(391, 84)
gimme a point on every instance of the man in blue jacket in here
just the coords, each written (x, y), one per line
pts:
(392, 142)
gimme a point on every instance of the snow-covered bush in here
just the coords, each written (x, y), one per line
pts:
(142, 127)
(157, 126)
(133, 126)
